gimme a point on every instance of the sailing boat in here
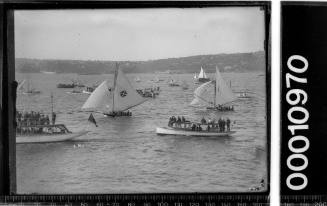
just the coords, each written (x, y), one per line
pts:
(137, 79)
(29, 89)
(222, 94)
(20, 85)
(202, 77)
(195, 77)
(114, 101)
(173, 83)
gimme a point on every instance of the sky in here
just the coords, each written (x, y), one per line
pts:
(137, 34)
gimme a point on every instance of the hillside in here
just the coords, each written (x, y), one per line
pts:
(239, 62)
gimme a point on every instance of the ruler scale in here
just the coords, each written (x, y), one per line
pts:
(148, 200)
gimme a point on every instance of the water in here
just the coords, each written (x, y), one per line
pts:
(124, 155)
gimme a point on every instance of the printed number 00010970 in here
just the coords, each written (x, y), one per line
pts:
(297, 98)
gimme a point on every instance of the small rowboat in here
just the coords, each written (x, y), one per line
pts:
(184, 132)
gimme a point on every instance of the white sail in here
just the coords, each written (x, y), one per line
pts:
(195, 77)
(137, 79)
(203, 94)
(20, 85)
(99, 97)
(202, 74)
(223, 92)
(125, 96)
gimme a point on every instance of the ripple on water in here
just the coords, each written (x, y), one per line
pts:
(125, 155)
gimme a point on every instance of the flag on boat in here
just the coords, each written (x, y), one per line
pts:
(91, 119)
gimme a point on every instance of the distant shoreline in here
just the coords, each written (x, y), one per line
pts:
(238, 62)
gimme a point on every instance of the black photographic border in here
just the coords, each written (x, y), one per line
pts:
(305, 35)
(8, 87)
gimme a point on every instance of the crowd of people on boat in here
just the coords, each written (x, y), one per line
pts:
(221, 125)
(120, 113)
(225, 108)
(30, 122)
(25, 119)
(149, 92)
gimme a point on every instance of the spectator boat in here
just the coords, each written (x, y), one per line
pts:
(45, 134)
(185, 129)
(35, 127)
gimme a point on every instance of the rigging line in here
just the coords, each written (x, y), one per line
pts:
(145, 99)
(196, 96)
(114, 89)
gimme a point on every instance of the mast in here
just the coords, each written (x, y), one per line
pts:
(51, 103)
(215, 88)
(28, 85)
(115, 82)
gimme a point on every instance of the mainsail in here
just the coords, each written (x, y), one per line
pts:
(125, 96)
(202, 74)
(202, 94)
(20, 85)
(99, 97)
(223, 92)
(122, 97)
(214, 92)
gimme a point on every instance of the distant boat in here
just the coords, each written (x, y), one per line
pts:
(72, 85)
(149, 92)
(29, 88)
(195, 77)
(75, 91)
(89, 89)
(157, 80)
(62, 85)
(202, 77)
(184, 85)
(222, 94)
(244, 94)
(117, 100)
(172, 83)
(46, 72)
(137, 79)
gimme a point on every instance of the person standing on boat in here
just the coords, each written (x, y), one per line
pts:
(193, 127)
(228, 124)
(171, 121)
(203, 121)
(223, 123)
(220, 124)
(53, 118)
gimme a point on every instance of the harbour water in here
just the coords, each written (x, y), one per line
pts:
(124, 154)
